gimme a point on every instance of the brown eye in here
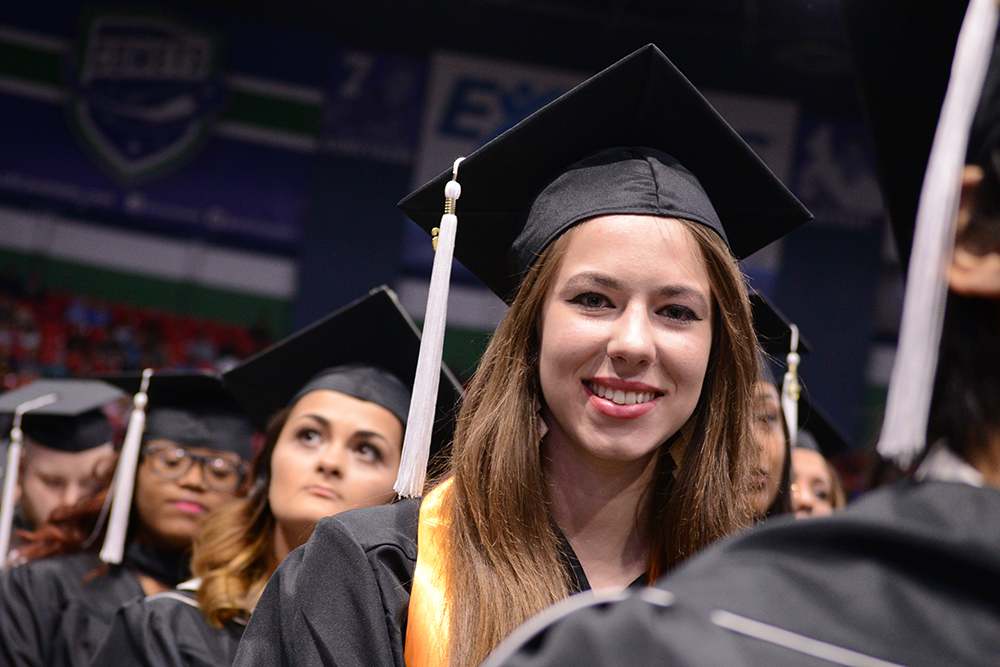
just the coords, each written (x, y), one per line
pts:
(171, 458)
(369, 452)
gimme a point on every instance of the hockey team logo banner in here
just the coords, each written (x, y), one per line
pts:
(144, 93)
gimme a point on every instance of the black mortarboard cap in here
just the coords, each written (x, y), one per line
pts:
(193, 409)
(773, 328)
(367, 349)
(637, 138)
(903, 53)
(825, 437)
(74, 422)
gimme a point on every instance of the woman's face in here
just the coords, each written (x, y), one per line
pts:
(626, 330)
(335, 452)
(812, 486)
(172, 510)
(770, 437)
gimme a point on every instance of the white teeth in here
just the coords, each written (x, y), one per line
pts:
(619, 397)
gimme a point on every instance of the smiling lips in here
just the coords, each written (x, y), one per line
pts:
(624, 401)
(620, 396)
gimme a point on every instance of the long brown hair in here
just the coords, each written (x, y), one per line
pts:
(233, 555)
(505, 560)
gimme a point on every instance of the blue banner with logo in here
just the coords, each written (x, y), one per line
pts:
(185, 126)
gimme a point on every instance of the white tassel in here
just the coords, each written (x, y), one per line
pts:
(791, 389)
(124, 481)
(13, 469)
(912, 382)
(423, 401)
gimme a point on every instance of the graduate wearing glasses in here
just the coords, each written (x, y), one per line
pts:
(194, 449)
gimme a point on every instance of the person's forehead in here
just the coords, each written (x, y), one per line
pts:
(765, 390)
(808, 459)
(343, 411)
(39, 458)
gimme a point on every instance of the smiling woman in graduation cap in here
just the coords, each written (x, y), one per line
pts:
(191, 443)
(907, 574)
(335, 404)
(605, 436)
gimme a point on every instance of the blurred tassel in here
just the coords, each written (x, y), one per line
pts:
(124, 482)
(912, 382)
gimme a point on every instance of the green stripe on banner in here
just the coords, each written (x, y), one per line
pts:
(273, 112)
(158, 294)
(30, 64)
(463, 348)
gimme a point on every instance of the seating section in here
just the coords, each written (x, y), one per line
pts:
(51, 334)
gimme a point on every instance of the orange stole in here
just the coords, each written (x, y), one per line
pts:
(427, 618)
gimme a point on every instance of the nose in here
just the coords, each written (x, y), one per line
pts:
(194, 478)
(631, 337)
(802, 498)
(72, 495)
(332, 460)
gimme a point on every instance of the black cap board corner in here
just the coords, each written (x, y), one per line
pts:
(638, 122)
(371, 344)
(773, 328)
(72, 423)
(827, 435)
(192, 408)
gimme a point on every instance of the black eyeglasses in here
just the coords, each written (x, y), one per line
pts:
(221, 473)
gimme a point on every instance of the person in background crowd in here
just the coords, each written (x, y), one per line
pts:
(606, 435)
(66, 447)
(772, 484)
(55, 609)
(335, 416)
(816, 486)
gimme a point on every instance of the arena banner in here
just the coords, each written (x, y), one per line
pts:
(184, 126)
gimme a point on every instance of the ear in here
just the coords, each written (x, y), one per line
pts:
(972, 274)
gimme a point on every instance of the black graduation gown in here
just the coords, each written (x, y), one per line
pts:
(341, 599)
(51, 617)
(167, 629)
(908, 575)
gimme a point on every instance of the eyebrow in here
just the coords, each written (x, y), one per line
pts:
(322, 420)
(357, 434)
(370, 434)
(609, 282)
